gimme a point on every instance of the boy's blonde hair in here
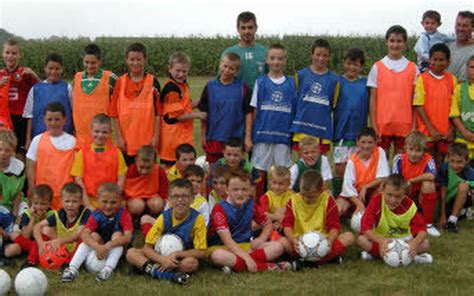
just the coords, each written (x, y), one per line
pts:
(416, 140)
(307, 142)
(281, 172)
(179, 58)
(311, 180)
(102, 118)
(395, 180)
(146, 153)
(109, 187)
(9, 138)
(72, 188)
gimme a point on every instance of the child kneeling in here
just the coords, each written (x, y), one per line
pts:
(393, 215)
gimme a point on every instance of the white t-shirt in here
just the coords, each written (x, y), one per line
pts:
(394, 65)
(254, 100)
(64, 142)
(28, 110)
(348, 185)
(15, 167)
(325, 170)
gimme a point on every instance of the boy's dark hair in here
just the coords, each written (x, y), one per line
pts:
(102, 118)
(311, 180)
(233, 57)
(441, 47)
(109, 187)
(42, 191)
(239, 174)
(366, 132)
(320, 43)
(459, 149)
(194, 170)
(221, 171)
(245, 17)
(354, 55)
(432, 14)
(396, 29)
(93, 49)
(467, 14)
(395, 180)
(235, 143)
(55, 107)
(146, 153)
(136, 47)
(72, 188)
(54, 57)
(184, 148)
(181, 183)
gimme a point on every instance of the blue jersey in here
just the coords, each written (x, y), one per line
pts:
(6, 220)
(45, 93)
(107, 226)
(316, 95)
(183, 229)
(352, 109)
(239, 221)
(276, 105)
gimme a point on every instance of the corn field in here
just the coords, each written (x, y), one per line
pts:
(204, 51)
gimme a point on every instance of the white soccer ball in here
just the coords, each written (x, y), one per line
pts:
(202, 162)
(312, 246)
(93, 264)
(168, 244)
(397, 254)
(5, 282)
(356, 221)
(31, 281)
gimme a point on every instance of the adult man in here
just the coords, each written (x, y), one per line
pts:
(252, 55)
(463, 47)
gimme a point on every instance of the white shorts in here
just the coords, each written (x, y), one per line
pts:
(341, 153)
(265, 155)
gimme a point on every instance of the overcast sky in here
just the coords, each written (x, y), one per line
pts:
(37, 19)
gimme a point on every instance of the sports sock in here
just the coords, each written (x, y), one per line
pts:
(239, 264)
(24, 243)
(375, 250)
(336, 186)
(428, 202)
(453, 219)
(337, 249)
(145, 228)
(33, 254)
(80, 256)
(114, 257)
(259, 255)
(162, 275)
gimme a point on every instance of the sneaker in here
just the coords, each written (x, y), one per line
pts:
(452, 227)
(226, 270)
(69, 274)
(104, 274)
(181, 278)
(289, 265)
(423, 258)
(366, 256)
(432, 231)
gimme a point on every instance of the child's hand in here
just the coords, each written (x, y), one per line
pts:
(413, 246)
(53, 245)
(121, 144)
(434, 134)
(256, 243)
(251, 265)
(362, 194)
(101, 252)
(201, 115)
(276, 225)
(4, 80)
(383, 246)
(155, 141)
(249, 144)
(41, 248)
(27, 71)
(168, 263)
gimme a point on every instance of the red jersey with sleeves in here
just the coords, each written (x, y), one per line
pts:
(373, 212)
(332, 216)
(218, 221)
(18, 87)
(125, 222)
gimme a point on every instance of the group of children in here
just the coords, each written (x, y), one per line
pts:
(86, 193)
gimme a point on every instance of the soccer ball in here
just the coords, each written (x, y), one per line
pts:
(202, 162)
(5, 282)
(53, 260)
(312, 246)
(397, 254)
(168, 244)
(93, 264)
(31, 281)
(356, 221)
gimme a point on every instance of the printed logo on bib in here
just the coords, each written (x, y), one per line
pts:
(316, 88)
(393, 231)
(277, 96)
(467, 116)
(13, 94)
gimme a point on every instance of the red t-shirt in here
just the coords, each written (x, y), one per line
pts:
(332, 216)
(19, 87)
(125, 222)
(372, 214)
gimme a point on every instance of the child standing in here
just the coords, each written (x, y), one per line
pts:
(318, 89)
(432, 102)
(185, 156)
(393, 215)
(17, 81)
(53, 89)
(51, 154)
(107, 231)
(92, 89)
(392, 83)
(430, 21)
(274, 100)
(350, 115)
(225, 100)
(134, 105)
(456, 178)
(419, 170)
(176, 125)
(98, 161)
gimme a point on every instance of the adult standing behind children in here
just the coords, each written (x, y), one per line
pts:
(463, 47)
(252, 55)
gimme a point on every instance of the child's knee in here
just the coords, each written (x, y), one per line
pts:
(361, 241)
(136, 206)
(156, 205)
(133, 255)
(463, 188)
(219, 256)
(12, 250)
(147, 219)
(346, 238)
(188, 264)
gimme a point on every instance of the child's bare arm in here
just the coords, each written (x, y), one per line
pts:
(232, 246)
(193, 115)
(16, 206)
(37, 229)
(422, 178)
(374, 238)
(264, 235)
(85, 199)
(332, 235)
(198, 254)
(28, 133)
(156, 132)
(248, 131)
(433, 132)
(31, 172)
(121, 181)
(86, 236)
(121, 144)
(372, 105)
(462, 128)
(27, 231)
(288, 232)
(442, 195)
(203, 132)
(120, 240)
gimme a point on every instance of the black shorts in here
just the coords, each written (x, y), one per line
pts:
(19, 127)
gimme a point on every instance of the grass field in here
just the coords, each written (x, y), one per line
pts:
(450, 274)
